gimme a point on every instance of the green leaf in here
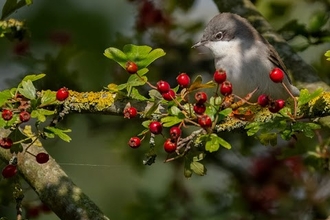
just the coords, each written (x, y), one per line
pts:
(48, 97)
(252, 128)
(211, 111)
(153, 108)
(11, 6)
(224, 143)
(146, 123)
(28, 90)
(198, 156)
(212, 145)
(198, 84)
(152, 56)
(135, 52)
(143, 132)
(174, 110)
(41, 114)
(143, 71)
(306, 128)
(268, 138)
(122, 86)
(327, 54)
(59, 132)
(226, 112)
(305, 96)
(136, 95)
(134, 80)
(198, 168)
(33, 77)
(214, 142)
(286, 134)
(116, 55)
(4, 96)
(154, 94)
(143, 55)
(169, 121)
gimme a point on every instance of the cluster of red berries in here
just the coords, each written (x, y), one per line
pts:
(199, 107)
(24, 115)
(274, 106)
(8, 114)
(220, 77)
(170, 145)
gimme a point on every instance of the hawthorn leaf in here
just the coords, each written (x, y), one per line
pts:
(198, 168)
(59, 132)
(28, 90)
(116, 55)
(48, 97)
(169, 121)
(4, 96)
(305, 96)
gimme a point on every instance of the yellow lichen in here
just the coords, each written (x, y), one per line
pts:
(98, 101)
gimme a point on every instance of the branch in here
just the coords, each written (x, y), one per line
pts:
(304, 75)
(53, 186)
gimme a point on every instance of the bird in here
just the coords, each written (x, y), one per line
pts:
(246, 57)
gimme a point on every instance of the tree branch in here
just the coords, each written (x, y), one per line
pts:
(53, 186)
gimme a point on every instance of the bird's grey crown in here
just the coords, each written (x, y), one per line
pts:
(231, 26)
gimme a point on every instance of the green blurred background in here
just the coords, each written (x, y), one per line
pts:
(67, 43)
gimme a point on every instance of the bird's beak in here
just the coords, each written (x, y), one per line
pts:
(200, 43)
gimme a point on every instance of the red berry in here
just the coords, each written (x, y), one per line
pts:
(9, 171)
(175, 133)
(205, 121)
(32, 212)
(263, 100)
(42, 158)
(131, 67)
(183, 80)
(219, 76)
(169, 96)
(155, 127)
(134, 142)
(276, 105)
(163, 86)
(7, 114)
(62, 94)
(226, 88)
(200, 97)
(276, 75)
(130, 112)
(24, 116)
(169, 146)
(199, 108)
(6, 143)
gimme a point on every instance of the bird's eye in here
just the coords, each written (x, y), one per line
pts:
(218, 36)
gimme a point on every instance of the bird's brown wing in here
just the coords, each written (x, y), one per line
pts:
(275, 58)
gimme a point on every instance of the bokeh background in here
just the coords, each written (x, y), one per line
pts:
(67, 43)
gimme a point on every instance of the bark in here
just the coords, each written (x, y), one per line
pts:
(53, 186)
